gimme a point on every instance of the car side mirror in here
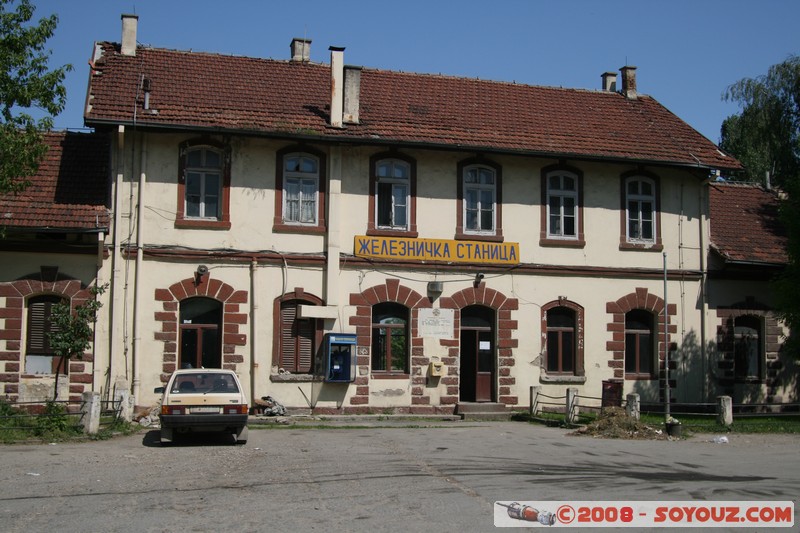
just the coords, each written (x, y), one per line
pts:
(159, 390)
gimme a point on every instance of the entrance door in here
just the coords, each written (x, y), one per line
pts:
(200, 342)
(477, 372)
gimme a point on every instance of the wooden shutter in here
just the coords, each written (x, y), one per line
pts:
(288, 314)
(297, 339)
(39, 325)
(305, 344)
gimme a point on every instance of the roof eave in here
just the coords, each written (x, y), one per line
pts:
(330, 139)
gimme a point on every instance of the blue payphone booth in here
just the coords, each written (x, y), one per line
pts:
(340, 358)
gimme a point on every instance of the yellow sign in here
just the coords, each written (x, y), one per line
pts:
(406, 249)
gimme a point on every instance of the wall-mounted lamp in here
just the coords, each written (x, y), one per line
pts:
(562, 299)
(478, 279)
(201, 274)
(434, 289)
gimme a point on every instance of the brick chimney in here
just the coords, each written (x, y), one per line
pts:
(629, 82)
(352, 93)
(301, 50)
(337, 85)
(609, 81)
(129, 24)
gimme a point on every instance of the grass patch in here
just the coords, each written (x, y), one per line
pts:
(762, 423)
(741, 423)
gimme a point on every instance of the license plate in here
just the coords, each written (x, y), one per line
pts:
(205, 410)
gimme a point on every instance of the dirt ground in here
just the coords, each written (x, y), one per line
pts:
(614, 423)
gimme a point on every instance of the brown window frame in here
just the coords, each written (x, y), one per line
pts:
(40, 328)
(624, 242)
(372, 225)
(653, 333)
(278, 224)
(578, 350)
(297, 365)
(224, 220)
(389, 371)
(461, 167)
(545, 239)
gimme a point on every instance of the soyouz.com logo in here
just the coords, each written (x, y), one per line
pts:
(682, 514)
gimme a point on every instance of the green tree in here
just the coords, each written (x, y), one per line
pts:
(73, 329)
(25, 83)
(765, 137)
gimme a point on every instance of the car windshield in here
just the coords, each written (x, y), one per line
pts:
(205, 383)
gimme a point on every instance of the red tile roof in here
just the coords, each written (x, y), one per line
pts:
(271, 97)
(70, 190)
(745, 224)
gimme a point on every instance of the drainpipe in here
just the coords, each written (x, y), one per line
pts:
(137, 290)
(116, 256)
(253, 330)
(334, 214)
(703, 223)
(98, 281)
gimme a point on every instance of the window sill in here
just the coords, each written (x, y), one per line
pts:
(563, 378)
(748, 381)
(392, 233)
(478, 237)
(562, 243)
(389, 375)
(298, 228)
(640, 377)
(187, 223)
(293, 378)
(641, 246)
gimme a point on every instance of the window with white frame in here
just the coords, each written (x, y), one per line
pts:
(392, 194)
(562, 205)
(203, 190)
(479, 199)
(640, 209)
(300, 189)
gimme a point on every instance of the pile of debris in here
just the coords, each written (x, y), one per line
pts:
(614, 423)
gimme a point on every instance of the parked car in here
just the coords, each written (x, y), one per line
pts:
(203, 400)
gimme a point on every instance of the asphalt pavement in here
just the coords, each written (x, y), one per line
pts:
(370, 475)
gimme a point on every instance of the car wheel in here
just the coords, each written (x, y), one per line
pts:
(166, 436)
(241, 436)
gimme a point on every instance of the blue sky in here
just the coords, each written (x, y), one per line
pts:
(687, 51)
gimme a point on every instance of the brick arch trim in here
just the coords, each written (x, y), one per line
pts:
(503, 306)
(579, 331)
(233, 320)
(641, 298)
(16, 293)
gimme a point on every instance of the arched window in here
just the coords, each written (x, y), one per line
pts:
(562, 205)
(640, 344)
(300, 189)
(39, 357)
(640, 209)
(562, 335)
(390, 346)
(203, 185)
(298, 338)
(561, 340)
(748, 347)
(203, 175)
(392, 191)
(200, 333)
(479, 190)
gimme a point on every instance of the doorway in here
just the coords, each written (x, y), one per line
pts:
(478, 361)
(200, 326)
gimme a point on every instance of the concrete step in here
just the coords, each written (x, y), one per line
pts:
(483, 411)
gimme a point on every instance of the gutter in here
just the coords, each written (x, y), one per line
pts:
(373, 141)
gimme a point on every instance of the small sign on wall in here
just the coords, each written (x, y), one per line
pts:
(436, 323)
